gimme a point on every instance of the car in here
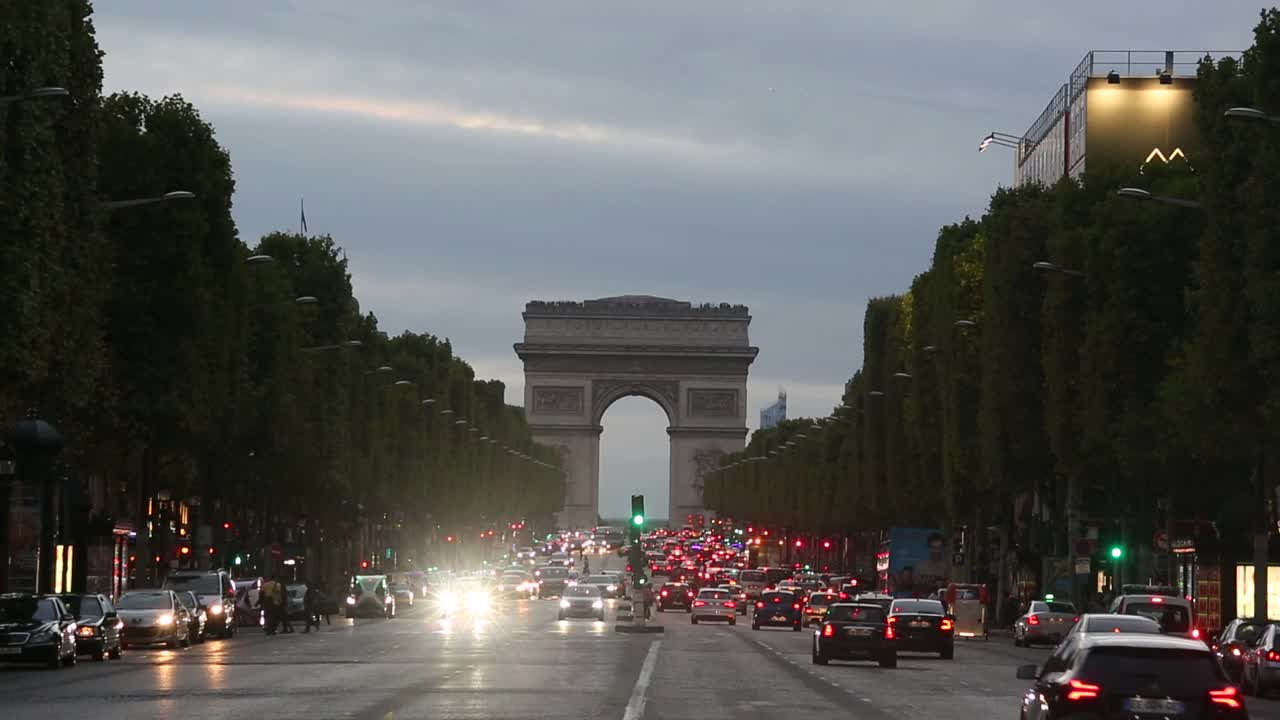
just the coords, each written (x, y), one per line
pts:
(1173, 612)
(815, 607)
(463, 595)
(776, 608)
(847, 592)
(552, 580)
(370, 597)
(607, 584)
(97, 625)
(582, 601)
(1091, 623)
(753, 581)
(1259, 672)
(247, 610)
(560, 559)
(714, 604)
(519, 584)
(875, 598)
(852, 631)
(1044, 621)
(1236, 640)
(36, 629)
(922, 626)
(675, 595)
(401, 591)
(153, 617)
(739, 596)
(196, 617)
(1115, 675)
(216, 591)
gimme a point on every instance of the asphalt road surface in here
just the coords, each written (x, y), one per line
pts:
(518, 661)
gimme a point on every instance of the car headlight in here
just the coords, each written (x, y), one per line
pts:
(597, 604)
(611, 588)
(215, 609)
(165, 619)
(478, 599)
(564, 604)
(448, 600)
(351, 599)
(87, 631)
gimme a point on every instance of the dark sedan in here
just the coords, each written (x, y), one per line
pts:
(1235, 640)
(777, 609)
(36, 630)
(675, 595)
(197, 616)
(97, 625)
(855, 632)
(923, 626)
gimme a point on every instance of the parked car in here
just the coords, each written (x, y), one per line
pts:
(36, 629)
(97, 625)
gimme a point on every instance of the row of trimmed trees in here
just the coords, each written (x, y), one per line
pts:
(177, 359)
(1138, 387)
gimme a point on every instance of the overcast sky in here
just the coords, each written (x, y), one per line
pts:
(794, 156)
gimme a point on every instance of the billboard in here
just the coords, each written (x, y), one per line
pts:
(1140, 120)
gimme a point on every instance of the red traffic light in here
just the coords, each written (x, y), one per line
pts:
(364, 564)
(226, 526)
(210, 551)
(448, 538)
(826, 544)
(765, 533)
(157, 559)
(799, 542)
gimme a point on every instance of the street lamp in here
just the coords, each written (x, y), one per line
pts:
(1051, 267)
(345, 344)
(429, 402)
(876, 394)
(259, 260)
(930, 348)
(403, 383)
(39, 93)
(967, 324)
(902, 375)
(1140, 194)
(379, 370)
(1248, 113)
(446, 411)
(1000, 139)
(167, 197)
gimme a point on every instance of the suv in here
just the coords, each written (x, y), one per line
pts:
(777, 609)
(215, 591)
(1172, 611)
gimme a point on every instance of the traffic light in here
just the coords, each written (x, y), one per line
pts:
(826, 544)
(1116, 552)
(448, 538)
(637, 512)
(799, 543)
(184, 550)
(226, 526)
(364, 564)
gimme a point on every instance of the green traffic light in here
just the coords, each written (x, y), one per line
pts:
(637, 520)
(1117, 552)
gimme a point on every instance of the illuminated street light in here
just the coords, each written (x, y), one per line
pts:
(1249, 113)
(1051, 267)
(39, 93)
(967, 324)
(167, 197)
(902, 375)
(999, 139)
(1140, 194)
(259, 260)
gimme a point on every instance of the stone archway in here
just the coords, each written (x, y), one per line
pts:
(692, 360)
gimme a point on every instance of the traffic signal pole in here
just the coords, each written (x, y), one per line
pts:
(630, 614)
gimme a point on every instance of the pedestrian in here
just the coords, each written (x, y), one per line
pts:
(282, 605)
(586, 565)
(311, 607)
(267, 603)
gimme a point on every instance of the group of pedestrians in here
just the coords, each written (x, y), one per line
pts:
(273, 599)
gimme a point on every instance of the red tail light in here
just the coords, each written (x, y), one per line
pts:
(828, 631)
(664, 593)
(698, 603)
(1033, 620)
(893, 620)
(759, 604)
(730, 604)
(1084, 691)
(1195, 633)
(795, 606)
(1227, 696)
(889, 632)
(777, 599)
(1273, 656)
(844, 596)
(1075, 620)
(690, 593)
(946, 624)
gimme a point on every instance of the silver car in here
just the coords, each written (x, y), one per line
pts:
(1044, 621)
(714, 604)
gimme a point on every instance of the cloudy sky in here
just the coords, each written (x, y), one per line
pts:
(795, 156)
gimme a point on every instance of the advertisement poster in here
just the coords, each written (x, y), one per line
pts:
(917, 561)
(24, 536)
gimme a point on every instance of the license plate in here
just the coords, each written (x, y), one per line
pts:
(10, 651)
(920, 624)
(860, 631)
(1154, 706)
(779, 618)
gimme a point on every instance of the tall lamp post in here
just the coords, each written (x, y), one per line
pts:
(31, 568)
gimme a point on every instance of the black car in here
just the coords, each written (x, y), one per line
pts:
(97, 625)
(1131, 674)
(196, 615)
(778, 609)
(36, 629)
(923, 626)
(217, 593)
(675, 595)
(1235, 640)
(552, 580)
(855, 632)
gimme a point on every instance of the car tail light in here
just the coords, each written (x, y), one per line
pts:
(889, 632)
(730, 604)
(1227, 696)
(759, 604)
(698, 603)
(1157, 600)
(893, 620)
(795, 606)
(1195, 633)
(777, 599)
(1273, 656)
(664, 593)
(1075, 620)
(1084, 691)
(828, 630)
(946, 624)
(844, 596)
(1033, 620)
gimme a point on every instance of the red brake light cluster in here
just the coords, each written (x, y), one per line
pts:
(1227, 696)
(759, 604)
(889, 632)
(1273, 656)
(946, 624)
(664, 593)
(795, 606)
(730, 604)
(828, 631)
(1195, 633)
(698, 603)
(1084, 691)
(1033, 620)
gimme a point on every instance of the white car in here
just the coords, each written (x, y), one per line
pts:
(714, 604)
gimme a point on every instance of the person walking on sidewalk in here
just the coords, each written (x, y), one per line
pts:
(267, 602)
(311, 607)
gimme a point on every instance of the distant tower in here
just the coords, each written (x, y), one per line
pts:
(775, 412)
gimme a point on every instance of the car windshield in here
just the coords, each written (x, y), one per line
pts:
(822, 599)
(713, 595)
(751, 576)
(144, 601)
(24, 609)
(1249, 632)
(1122, 624)
(203, 584)
(369, 584)
(1172, 618)
(187, 600)
(84, 607)
(599, 580)
(582, 591)
(1132, 671)
(554, 573)
(918, 607)
(1057, 607)
(966, 594)
(855, 613)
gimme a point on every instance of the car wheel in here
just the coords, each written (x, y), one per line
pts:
(889, 660)
(948, 652)
(115, 654)
(99, 656)
(819, 658)
(693, 619)
(733, 620)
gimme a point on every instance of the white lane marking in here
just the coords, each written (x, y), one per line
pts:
(635, 706)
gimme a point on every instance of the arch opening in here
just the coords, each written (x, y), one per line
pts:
(634, 458)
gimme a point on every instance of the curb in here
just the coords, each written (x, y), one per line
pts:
(638, 629)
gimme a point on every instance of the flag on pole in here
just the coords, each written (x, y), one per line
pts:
(302, 210)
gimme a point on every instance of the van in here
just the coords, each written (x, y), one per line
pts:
(1174, 612)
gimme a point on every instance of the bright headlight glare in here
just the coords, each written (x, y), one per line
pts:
(597, 604)
(351, 600)
(611, 588)
(564, 604)
(165, 619)
(215, 609)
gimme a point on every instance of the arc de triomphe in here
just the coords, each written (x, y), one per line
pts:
(580, 357)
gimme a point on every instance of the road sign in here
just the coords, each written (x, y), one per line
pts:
(957, 559)
(1082, 566)
(1086, 546)
(1160, 541)
(277, 551)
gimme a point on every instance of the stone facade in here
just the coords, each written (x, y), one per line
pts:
(692, 360)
